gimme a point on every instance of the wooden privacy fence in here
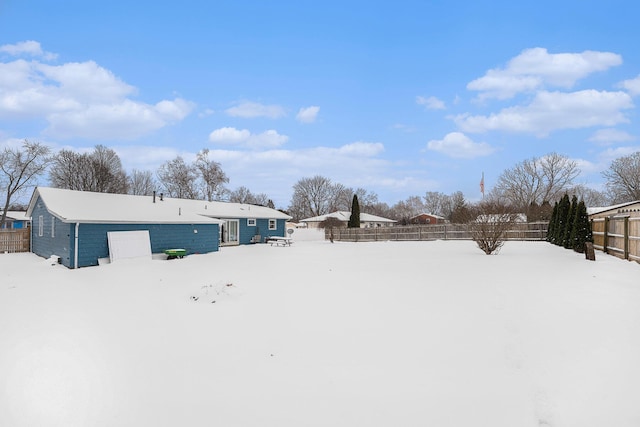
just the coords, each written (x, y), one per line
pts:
(619, 236)
(519, 231)
(14, 241)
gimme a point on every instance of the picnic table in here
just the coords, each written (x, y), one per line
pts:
(278, 240)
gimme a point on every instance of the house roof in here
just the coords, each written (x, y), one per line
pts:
(598, 210)
(345, 215)
(17, 215)
(86, 206)
(429, 214)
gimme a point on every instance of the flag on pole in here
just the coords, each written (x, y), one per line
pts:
(482, 184)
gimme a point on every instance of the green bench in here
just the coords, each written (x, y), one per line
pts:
(175, 253)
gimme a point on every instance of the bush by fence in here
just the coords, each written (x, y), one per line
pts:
(617, 236)
(519, 231)
(14, 241)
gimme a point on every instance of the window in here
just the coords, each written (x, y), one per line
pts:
(251, 222)
(53, 226)
(40, 226)
(273, 224)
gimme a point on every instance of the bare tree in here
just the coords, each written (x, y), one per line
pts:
(213, 178)
(623, 178)
(536, 181)
(71, 170)
(340, 198)
(141, 183)
(404, 210)
(368, 200)
(179, 179)
(19, 169)
(100, 171)
(436, 203)
(312, 197)
(590, 196)
(244, 195)
(379, 208)
(490, 227)
(108, 175)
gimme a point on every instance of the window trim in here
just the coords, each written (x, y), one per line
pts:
(40, 225)
(273, 224)
(53, 227)
(251, 222)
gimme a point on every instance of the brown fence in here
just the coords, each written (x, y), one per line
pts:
(519, 231)
(14, 241)
(617, 236)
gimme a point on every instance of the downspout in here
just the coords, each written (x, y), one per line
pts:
(75, 247)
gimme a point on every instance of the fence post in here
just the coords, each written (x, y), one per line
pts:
(605, 238)
(626, 237)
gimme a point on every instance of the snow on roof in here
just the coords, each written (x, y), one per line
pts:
(86, 206)
(17, 215)
(345, 215)
(429, 214)
(597, 210)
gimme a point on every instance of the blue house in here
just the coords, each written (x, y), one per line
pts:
(15, 220)
(242, 223)
(73, 225)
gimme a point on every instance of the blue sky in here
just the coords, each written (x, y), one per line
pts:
(399, 98)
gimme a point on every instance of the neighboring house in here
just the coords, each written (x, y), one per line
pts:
(74, 224)
(366, 220)
(630, 209)
(426, 218)
(15, 220)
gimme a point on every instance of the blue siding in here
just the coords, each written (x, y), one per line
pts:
(61, 244)
(261, 228)
(247, 232)
(93, 244)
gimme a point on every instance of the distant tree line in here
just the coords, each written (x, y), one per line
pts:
(101, 170)
(531, 187)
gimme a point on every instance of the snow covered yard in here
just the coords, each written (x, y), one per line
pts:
(321, 334)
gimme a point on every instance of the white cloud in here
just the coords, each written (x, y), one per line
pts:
(363, 149)
(308, 114)
(229, 135)
(244, 138)
(254, 109)
(632, 86)
(86, 82)
(29, 47)
(550, 111)
(81, 100)
(536, 68)
(610, 135)
(430, 103)
(458, 145)
(206, 112)
(267, 139)
(124, 120)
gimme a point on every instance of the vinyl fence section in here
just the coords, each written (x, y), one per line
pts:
(522, 231)
(14, 241)
(617, 236)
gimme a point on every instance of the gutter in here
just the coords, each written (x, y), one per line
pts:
(75, 246)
